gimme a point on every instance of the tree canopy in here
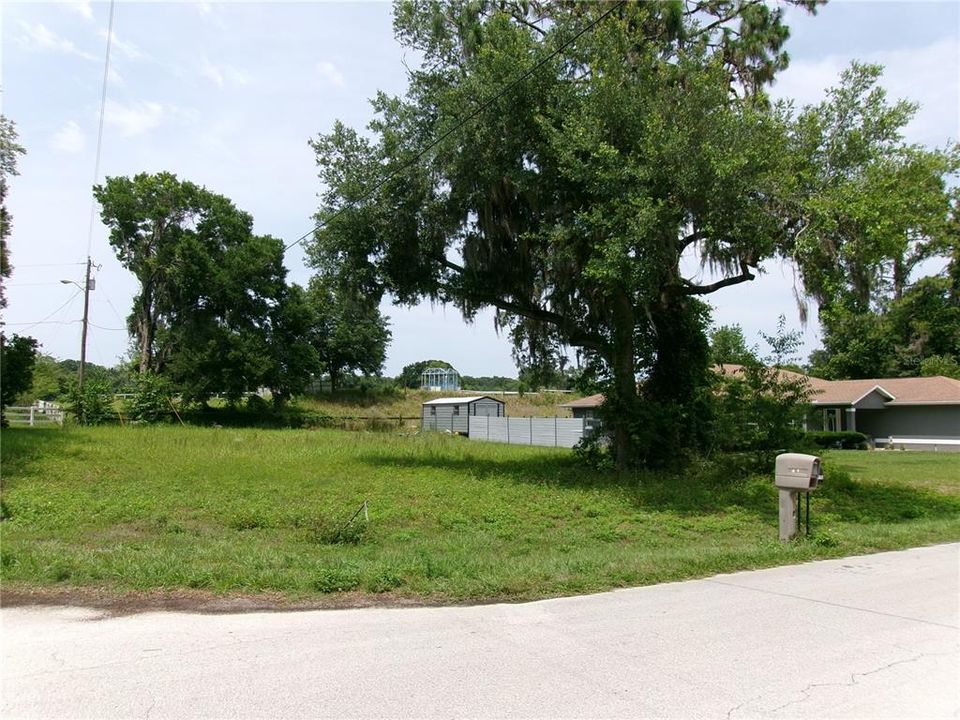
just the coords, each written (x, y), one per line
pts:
(10, 150)
(213, 308)
(609, 140)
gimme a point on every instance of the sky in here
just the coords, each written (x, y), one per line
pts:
(227, 95)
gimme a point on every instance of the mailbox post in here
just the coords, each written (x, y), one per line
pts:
(795, 473)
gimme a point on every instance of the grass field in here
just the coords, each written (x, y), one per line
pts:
(240, 511)
(407, 403)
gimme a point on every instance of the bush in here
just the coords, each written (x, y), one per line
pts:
(94, 405)
(339, 578)
(151, 398)
(844, 440)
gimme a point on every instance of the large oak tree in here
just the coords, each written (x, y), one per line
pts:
(568, 202)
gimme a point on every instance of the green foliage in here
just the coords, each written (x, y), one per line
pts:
(845, 440)
(874, 209)
(570, 201)
(940, 365)
(331, 531)
(211, 292)
(410, 375)
(152, 397)
(231, 511)
(93, 405)
(728, 346)
(349, 334)
(760, 410)
(18, 355)
(874, 206)
(10, 149)
(488, 382)
(910, 334)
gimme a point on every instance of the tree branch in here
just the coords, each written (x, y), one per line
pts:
(575, 335)
(690, 289)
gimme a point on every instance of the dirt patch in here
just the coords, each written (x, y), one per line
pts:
(116, 604)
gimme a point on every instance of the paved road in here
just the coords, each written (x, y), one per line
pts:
(873, 637)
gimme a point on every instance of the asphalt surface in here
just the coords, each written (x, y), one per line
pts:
(872, 637)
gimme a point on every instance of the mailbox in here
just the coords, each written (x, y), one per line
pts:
(796, 471)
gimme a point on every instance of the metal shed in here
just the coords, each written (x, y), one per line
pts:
(453, 414)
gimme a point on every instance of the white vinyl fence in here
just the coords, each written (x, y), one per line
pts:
(34, 416)
(551, 432)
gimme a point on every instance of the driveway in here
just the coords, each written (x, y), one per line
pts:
(873, 637)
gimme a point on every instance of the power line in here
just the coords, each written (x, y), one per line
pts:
(33, 265)
(46, 320)
(483, 106)
(103, 105)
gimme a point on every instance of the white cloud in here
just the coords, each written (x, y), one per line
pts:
(330, 73)
(69, 139)
(38, 37)
(141, 117)
(926, 75)
(221, 75)
(134, 119)
(128, 49)
(82, 8)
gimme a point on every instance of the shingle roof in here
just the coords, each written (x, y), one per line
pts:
(901, 391)
(591, 401)
(937, 390)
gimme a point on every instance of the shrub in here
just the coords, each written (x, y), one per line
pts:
(151, 398)
(339, 578)
(92, 406)
(325, 531)
(844, 440)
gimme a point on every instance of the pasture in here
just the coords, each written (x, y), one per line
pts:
(250, 512)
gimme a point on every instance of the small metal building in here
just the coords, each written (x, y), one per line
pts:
(439, 378)
(453, 414)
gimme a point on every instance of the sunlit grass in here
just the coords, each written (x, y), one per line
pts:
(240, 511)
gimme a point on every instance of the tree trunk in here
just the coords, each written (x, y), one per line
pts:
(623, 363)
(899, 277)
(146, 328)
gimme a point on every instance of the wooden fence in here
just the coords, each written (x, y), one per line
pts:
(34, 416)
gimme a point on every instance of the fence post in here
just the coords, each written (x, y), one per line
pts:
(531, 429)
(508, 428)
(31, 416)
(555, 440)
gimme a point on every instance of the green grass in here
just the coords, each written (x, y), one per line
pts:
(240, 511)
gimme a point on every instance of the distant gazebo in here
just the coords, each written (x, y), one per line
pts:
(438, 379)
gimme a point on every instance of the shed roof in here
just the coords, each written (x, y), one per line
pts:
(591, 401)
(461, 400)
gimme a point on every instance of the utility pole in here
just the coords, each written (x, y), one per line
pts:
(86, 316)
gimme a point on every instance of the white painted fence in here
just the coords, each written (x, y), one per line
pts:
(550, 432)
(34, 416)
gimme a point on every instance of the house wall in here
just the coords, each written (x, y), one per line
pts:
(917, 421)
(873, 401)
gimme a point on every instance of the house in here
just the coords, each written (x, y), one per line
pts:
(919, 413)
(452, 413)
(586, 407)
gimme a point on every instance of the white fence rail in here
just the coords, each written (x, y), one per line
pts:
(34, 416)
(549, 432)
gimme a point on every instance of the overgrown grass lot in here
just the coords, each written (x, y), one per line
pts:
(244, 512)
